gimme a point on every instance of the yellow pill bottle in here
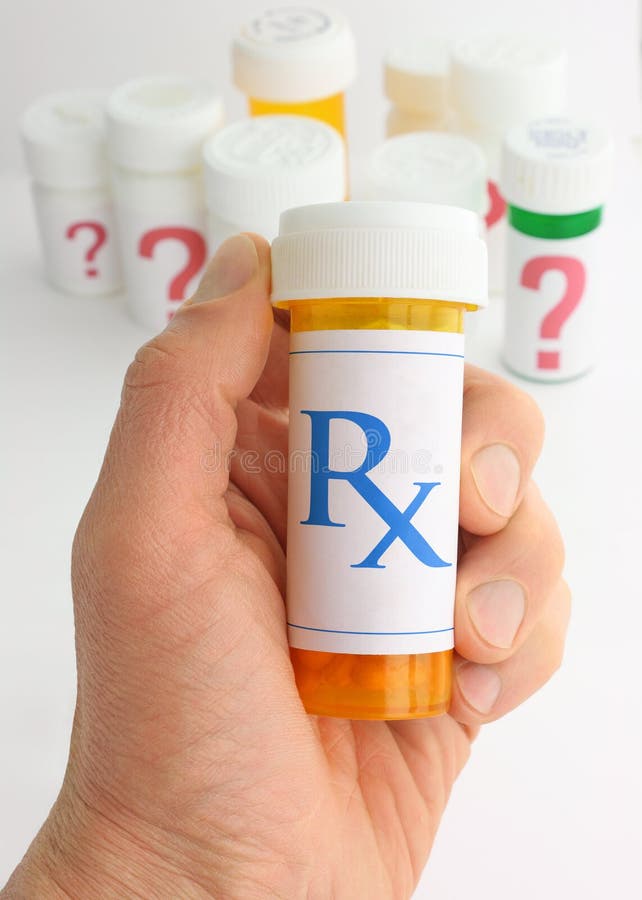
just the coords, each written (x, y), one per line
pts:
(377, 294)
(297, 61)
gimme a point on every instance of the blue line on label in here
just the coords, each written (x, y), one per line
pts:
(389, 352)
(337, 631)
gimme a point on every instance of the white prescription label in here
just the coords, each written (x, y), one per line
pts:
(551, 289)
(373, 507)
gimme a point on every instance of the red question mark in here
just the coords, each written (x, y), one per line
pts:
(497, 206)
(552, 323)
(100, 233)
(197, 250)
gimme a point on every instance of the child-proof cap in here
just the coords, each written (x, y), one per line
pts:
(557, 166)
(416, 75)
(159, 124)
(259, 167)
(379, 249)
(505, 80)
(429, 166)
(291, 54)
(63, 136)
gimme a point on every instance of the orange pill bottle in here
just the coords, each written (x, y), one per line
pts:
(298, 61)
(377, 294)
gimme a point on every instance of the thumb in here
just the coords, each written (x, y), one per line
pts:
(180, 392)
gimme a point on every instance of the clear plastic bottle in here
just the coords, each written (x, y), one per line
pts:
(156, 130)
(555, 176)
(416, 83)
(296, 60)
(65, 147)
(377, 294)
(257, 168)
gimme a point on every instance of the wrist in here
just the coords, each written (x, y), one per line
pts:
(79, 853)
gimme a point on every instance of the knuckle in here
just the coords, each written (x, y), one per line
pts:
(158, 362)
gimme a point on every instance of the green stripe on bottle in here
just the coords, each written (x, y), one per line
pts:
(554, 228)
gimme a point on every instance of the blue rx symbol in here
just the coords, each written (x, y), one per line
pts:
(378, 443)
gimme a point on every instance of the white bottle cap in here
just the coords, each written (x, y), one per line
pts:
(256, 168)
(291, 54)
(63, 136)
(379, 249)
(506, 80)
(160, 124)
(416, 75)
(429, 166)
(557, 166)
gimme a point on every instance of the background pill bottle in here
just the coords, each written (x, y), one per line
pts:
(416, 83)
(64, 142)
(156, 131)
(377, 294)
(430, 167)
(296, 60)
(496, 83)
(555, 176)
(257, 168)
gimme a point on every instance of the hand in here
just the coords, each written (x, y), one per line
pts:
(194, 770)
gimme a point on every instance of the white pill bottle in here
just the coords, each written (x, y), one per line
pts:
(63, 136)
(556, 175)
(156, 131)
(496, 83)
(257, 168)
(431, 167)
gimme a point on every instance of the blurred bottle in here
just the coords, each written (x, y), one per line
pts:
(257, 168)
(157, 128)
(496, 83)
(416, 83)
(63, 137)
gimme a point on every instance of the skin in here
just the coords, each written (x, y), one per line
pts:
(194, 770)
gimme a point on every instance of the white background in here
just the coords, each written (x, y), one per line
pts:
(550, 804)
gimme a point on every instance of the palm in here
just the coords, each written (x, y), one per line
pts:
(193, 713)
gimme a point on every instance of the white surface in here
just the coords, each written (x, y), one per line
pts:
(549, 805)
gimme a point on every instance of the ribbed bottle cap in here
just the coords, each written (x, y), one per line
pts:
(500, 81)
(416, 75)
(291, 54)
(63, 136)
(159, 124)
(557, 166)
(379, 249)
(429, 166)
(256, 168)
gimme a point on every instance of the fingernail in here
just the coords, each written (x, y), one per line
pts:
(497, 610)
(479, 685)
(496, 474)
(234, 264)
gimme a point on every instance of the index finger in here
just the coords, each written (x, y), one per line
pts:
(502, 435)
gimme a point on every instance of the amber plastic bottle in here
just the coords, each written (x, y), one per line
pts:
(358, 243)
(296, 61)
